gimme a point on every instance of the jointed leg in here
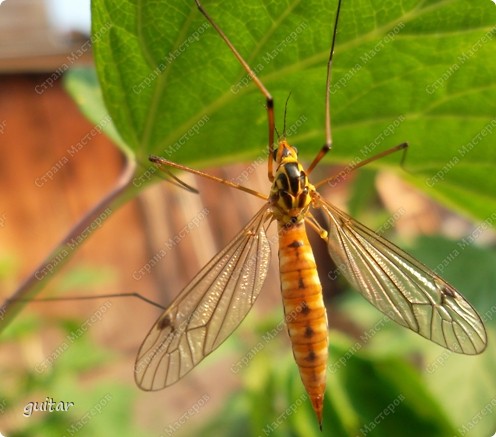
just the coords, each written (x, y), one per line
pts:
(258, 83)
(328, 140)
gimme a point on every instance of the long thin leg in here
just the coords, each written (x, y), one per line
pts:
(258, 83)
(352, 167)
(96, 296)
(328, 140)
(163, 163)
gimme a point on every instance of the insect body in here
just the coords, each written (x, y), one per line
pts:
(305, 314)
(304, 309)
(215, 302)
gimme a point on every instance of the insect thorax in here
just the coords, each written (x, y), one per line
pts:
(291, 192)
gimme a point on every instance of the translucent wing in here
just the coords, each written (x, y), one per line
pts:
(401, 287)
(207, 310)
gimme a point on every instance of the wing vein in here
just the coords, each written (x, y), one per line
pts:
(208, 309)
(401, 287)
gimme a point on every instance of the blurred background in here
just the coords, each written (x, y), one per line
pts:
(45, 190)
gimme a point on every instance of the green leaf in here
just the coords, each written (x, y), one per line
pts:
(416, 71)
(83, 85)
(385, 395)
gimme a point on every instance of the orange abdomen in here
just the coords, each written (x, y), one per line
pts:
(304, 310)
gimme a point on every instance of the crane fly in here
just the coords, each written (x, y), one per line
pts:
(218, 298)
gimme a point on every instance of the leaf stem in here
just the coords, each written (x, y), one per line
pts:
(69, 245)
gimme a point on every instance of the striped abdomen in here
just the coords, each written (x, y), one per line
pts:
(304, 310)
